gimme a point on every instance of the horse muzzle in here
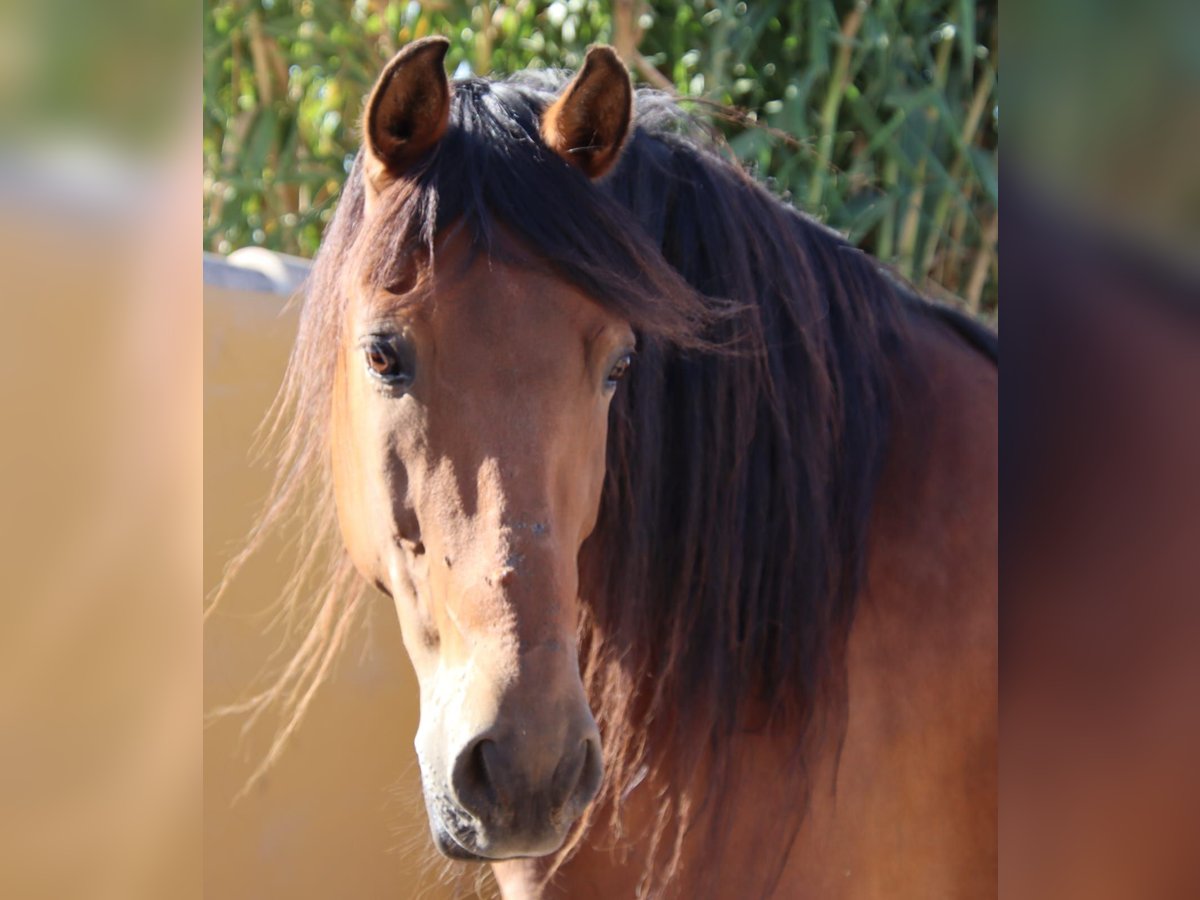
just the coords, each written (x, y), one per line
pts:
(511, 795)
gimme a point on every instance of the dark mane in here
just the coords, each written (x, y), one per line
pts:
(721, 581)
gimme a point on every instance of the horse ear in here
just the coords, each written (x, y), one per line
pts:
(588, 123)
(408, 111)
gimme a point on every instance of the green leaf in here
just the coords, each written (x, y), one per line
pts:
(260, 143)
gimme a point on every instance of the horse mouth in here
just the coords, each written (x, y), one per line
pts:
(465, 845)
(449, 845)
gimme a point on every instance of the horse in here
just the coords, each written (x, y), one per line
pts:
(686, 506)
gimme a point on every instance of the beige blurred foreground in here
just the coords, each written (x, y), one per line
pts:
(100, 476)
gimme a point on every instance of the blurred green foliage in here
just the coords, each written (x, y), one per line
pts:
(880, 118)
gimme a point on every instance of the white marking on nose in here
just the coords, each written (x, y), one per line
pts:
(502, 577)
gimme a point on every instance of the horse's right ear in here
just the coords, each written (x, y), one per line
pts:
(407, 113)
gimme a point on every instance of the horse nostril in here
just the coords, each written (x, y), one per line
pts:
(591, 776)
(577, 779)
(473, 780)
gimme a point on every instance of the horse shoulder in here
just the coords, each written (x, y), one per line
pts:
(908, 806)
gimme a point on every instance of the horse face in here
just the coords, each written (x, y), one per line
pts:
(470, 420)
(469, 454)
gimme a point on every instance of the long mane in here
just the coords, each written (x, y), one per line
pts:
(721, 581)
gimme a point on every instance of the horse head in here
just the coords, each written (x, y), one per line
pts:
(470, 419)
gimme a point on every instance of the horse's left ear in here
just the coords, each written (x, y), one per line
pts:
(588, 123)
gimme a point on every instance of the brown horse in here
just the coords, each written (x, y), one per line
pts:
(687, 507)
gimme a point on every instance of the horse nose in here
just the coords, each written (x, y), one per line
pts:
(515, 785)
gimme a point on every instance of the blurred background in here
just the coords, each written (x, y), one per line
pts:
(879, 118)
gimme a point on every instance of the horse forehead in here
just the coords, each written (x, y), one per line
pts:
(505, 314)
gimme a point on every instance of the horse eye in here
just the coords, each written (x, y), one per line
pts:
(386, 362)
(619, 369)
